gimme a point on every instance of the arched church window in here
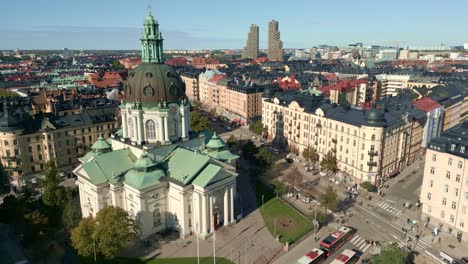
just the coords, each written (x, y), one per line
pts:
(172, 127)
(150, 129)
(130, 127)
(156, 217)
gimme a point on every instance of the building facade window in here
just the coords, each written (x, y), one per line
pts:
(156, 217)
(450, 161)
(434, 157)
(428, 196)
(457, 178)
(150, 127)
(431, 182)
(442, 214)
(446, 188)
(432, 170)
(454, 205)
(444, 201)
(452, 218)
(447, 175)
(460, 164)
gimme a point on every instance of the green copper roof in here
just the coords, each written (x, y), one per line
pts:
(211, 174)
(182, 165)
(144, 163)
(107, 167)
(101, 145)
(215, 142)
(141, 180)
(223, 155)
(87, 157)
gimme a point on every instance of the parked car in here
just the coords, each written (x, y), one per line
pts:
(228, 128)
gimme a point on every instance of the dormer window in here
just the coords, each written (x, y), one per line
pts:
(462, 149)
(452, 147)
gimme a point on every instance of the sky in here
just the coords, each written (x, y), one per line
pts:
(221, 24)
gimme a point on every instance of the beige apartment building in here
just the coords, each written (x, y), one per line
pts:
(370, 145)
(234, 99)
(192, 90)
(25, 146)
(444, 192)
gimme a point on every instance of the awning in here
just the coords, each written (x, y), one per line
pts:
(394, 172)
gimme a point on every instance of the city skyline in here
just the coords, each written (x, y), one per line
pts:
(115, 25)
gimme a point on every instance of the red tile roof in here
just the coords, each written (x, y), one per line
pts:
(217, 77)
(426, 104)
(342, 86)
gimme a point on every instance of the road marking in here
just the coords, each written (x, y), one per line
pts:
(391, 201)
(385, 207)
(361, 243)
(381, 203)
(398, 214)
(365, 249)
(354, 238)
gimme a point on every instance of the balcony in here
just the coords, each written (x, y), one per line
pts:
(10, 168)
(298, 135)
(298, 127)
(334, 140)
(8, 157)
(316, 134)
(373, 152)
(372, 163)
(319, 125)
(289, 132)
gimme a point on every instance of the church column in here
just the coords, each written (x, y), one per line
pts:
(141, 127)
(166, 129)
(136, 128)
(182, 124)
(226, 206)
(231, 192)
(160, 130)
(212, 224)
(204, 222)
(124, 124)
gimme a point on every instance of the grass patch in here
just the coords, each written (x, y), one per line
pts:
(203, 260)
(290, 224)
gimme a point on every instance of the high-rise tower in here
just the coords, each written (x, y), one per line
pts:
(251, 48)
(275, 45)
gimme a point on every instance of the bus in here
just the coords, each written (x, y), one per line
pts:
(346, 257)
(314, 256)
(336, 239)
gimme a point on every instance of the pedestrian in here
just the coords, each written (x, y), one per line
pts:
(438, 240)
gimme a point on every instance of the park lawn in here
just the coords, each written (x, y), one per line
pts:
(118, 260)
(290, 224)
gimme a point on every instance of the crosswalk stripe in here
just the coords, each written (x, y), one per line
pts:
(364, 250)
(385, 207)
(354, 238)
(381, 204)
(388, 209)
(398, 214)
(361, 243)
(357, 242)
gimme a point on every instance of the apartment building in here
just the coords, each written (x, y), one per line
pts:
(370, 145)
(454, 98)
(391, 84)
(235, 99)
(444, 192)
(192, 88)
(28, 142)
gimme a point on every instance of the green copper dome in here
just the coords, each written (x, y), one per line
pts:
(215, 142)
(144, 163)
(101, 145)
(153, 81)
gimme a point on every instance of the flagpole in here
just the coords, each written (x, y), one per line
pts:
(214, 244)
(198, 247)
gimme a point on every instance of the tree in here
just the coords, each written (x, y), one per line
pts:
(71, 215)
(294, 178)
(112, 229)
(311, 155)
(264, 157)
(329, 199)
(82, 236)
(280, 187)
(198, 122)
(392, 255)
(256, 127)
(51, 185)
(231, 141)
(249, 150)
(329, 163)
(117, 65)
(368, 186)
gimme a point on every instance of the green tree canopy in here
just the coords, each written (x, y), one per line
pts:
(329, 199)
(71, 215)
(368, 186)
(232, 140)
(392, 255)
(280, 187)
(310, 154)
(111, 231)
(294, 178)
(82, 236)
(264, 157)
(198, 122)
(329, 163)
(249, 150)
(256, 127)
(117, 65)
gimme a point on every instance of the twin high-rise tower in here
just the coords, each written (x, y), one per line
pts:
(275, 45)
